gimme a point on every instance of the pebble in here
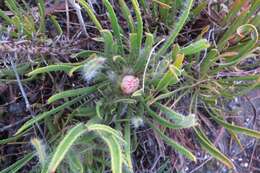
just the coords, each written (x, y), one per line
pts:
(245, 164)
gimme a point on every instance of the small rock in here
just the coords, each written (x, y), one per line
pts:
(17, 108)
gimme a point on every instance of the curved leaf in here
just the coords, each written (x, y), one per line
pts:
(184, 121)
(51, 68)
(72, 93)
(115, 152)
(178, 28)
(210, 148)
(115, 24)
(139, 27)
(163, 122)
(234, 128)
(18, 164)
(41, 116)
(91, 14)
(106, 129)
(195, 47)
(174, 144)
(65, 145)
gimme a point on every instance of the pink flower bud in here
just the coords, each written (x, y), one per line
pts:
(129, 84)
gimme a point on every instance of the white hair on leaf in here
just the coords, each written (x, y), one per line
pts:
(92, 68)
(137, 122)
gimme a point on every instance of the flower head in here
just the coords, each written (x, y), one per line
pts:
(129, 84)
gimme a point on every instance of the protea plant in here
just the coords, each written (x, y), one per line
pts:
(131, 82)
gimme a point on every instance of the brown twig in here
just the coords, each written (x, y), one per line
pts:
(26, 47)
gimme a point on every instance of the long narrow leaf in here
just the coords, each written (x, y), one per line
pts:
(196, 47)
(234, 128)
(18, 164)
(185, 121)
(115, 24)
(72, 93)
(106, 129)
(127, 137)
(210, 148)
(65, 145)
(178, 27)
(127, 14)
(115, 152)
(108, 43)
(139, 27)
(174, 144)
(140, 63)
(41, 116)
(162, 121)
(91, 14)
(51, 68)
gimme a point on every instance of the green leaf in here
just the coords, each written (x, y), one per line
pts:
(209, 60)
(139, 27)
(232, 79)
(211, 149)
(234, 128)
(115, 24)
(65, 145)
(91, 14)
(179, 119)
(18, 164)
(248, 47)
(21, 70)
(115, 152)
(125, 100)
(41, 7)
(175, 52)
(56, 24)
(76, 165)
(41, 116)
(72, 93)
(5, 17)
(254, 6)
(84, 112)
(98, 106)
(11, 139)
(162, 121)
(164, 10)
(14, 7)
(171, 77)
(109, 43)
(127, 137)
(51, 68)
(85, 54)
(74, 69)
(169, 94)
(230, 31)
(178, 61)
(196, 47)
(134, 48)
(235, 8)
(140, 63)
(179, 148)
(127, 14)
(178, 28)
(106, 129)
(198, 9)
